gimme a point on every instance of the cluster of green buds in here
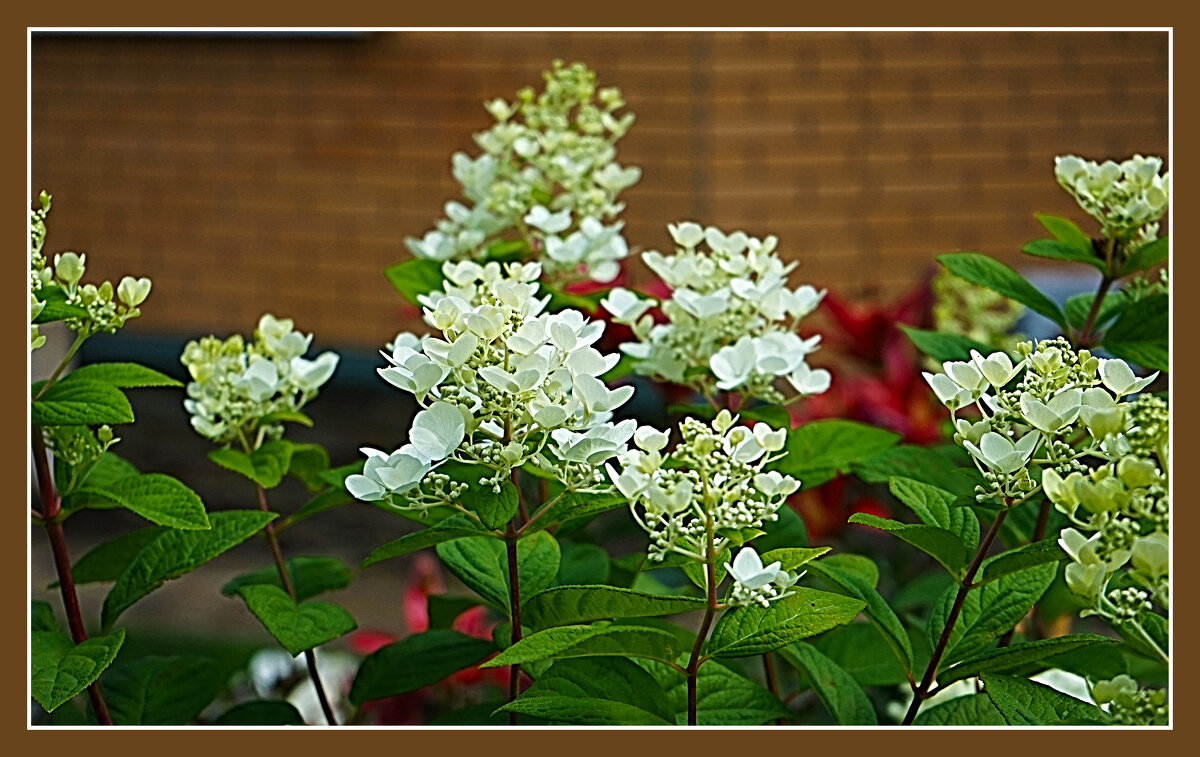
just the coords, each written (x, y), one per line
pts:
(90, 309)
(243, 391)
(711, 492)
(79, 448)
(1127, 198)
(547, 176)
(731, 317)
(1130, 705)
(979, 313)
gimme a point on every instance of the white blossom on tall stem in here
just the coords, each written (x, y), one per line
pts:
(731, 317)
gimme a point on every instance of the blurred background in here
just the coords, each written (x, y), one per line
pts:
(254, 172)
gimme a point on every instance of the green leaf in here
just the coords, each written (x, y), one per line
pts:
(1065, 230)
(475, 714)
(856, 565)
(482, 564)
(457, 526)
(988, 611)
(159, 498)
(1140, 333)
(943, 347)
(1076, 308)
(586, 691)
(56, 307)
(986, 272)
(81, 402)
(832, 445)
(1038, 553)
(791, 558)
(107, 561)
(935, 507)
(310, 576)
(443, 610)
(266, 466)
(334, 496)
(416, 277)
(569, 605)
(108, 470)
(574, 505)
(933, 466)
(261, 712)
(59, 669)
(839, 692)
(298, 627)
(973, 709)
(936, 542)
(787, 531)
(124, 375)
(1155, 627)
(582, 564)
(41, 617)
(285, 416)
(308, 462)
(560, 300)
(876, 610)
(723, 697)
(590, 641)
(158, 690)
(494, 510)
(772, 415)
(1025, 702)
(751, 630)
(175, 553)
(1018, 656)
(861, 651)
(1056, 250)
(416, 662)
(1147, 256)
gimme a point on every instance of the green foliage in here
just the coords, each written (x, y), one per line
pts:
(157, 497)
(839, 692)
(266, 466)
(56, 307)
(482, 564)
(308, 462)
(876, 609)
(60, 669)
(582, 564)
(174, 553)
(988, 611)
(819, 450)
(297, 626)
(1147, 256)
(107, 561)
(310, 576)
(994, 275)
(41, 617)
(1018, 656)
(1056, 250)
(416, 662)
(414, 278)
(1027, 556)
(73, 401)
(938, 467)
(568, 605)
(973, 709)
(457, 526)
(598, 640)
(745, 631)
(1141, 333)
(936, 507)
(585, 691)
(1024, 702)
(261, 712)
(723, 697)
(574, 506)
(943, 347)
(158, 690)
(860, 650)
(936, 542)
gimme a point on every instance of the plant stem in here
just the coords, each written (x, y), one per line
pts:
(772, 683)
(514, 604)
(79, 339)
(310, 656)
(921, 692)
(1085, 334)
(51, 507)
(710, 611)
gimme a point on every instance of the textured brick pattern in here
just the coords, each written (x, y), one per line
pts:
(282, 174)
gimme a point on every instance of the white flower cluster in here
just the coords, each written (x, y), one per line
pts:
(547, 171)
(731, 318)
(503, 385)
(711, 491)
(1128, 704)
(1127, 198)
(102, 313)
(1075, 409)
(240, 390)
(755, 584)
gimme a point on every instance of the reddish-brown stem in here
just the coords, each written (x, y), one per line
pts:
(710, 612)
(1085, 334)
(921, 693)
(514, 603)
(310, 656)
(772, 683)
(51, 508)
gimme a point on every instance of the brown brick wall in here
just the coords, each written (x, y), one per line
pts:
(259, 173)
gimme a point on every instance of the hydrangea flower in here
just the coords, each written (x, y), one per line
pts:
(501, 384)
(237, 387)
(755, 584)
(731, 318)
(1127, 198)
(548, 176)
(709, 492)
